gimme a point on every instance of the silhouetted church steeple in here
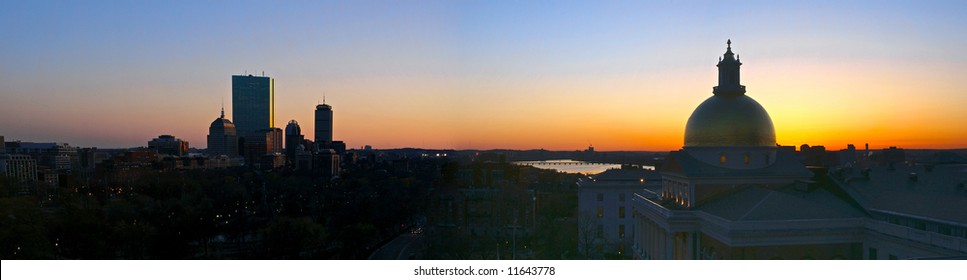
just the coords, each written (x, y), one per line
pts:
(729, 74)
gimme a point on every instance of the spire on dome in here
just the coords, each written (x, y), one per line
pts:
(729, 73)
(728, 51)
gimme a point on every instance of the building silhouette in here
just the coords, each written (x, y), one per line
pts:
(169, 145)
(323, 131)
(296, 153)
(263, 149)
(57, 156)
(731, 193)
(729, 149)
(253, 103)
(222, 137)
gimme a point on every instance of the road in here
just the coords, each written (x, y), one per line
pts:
(404, 247)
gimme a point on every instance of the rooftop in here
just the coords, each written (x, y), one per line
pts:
(760, 204)
(786, 164)
(911, 190)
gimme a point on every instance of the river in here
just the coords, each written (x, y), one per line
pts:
(572, 166)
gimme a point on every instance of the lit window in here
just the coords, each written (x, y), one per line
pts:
(746, 158)
(600, 212)
(722, 159)
(621, 212)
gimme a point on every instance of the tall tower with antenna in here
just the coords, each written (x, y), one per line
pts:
(323, 133)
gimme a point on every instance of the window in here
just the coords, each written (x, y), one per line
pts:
(621, 197)
(945, 230)
(621, 212)
(600, 197)
(746, 158)
(600, 231)
(600, 212)
(722, 159)
(621, 231)
(872, 254)
(919, 225)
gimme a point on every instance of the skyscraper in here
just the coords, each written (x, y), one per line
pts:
(222, 138)
(253, 103)
(323, 124)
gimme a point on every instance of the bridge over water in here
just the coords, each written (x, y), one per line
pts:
(560, 162)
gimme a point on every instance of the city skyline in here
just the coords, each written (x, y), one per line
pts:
(485, 75)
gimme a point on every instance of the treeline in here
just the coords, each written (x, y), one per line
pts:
(227, 214)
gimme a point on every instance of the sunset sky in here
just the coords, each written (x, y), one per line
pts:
(556, 75)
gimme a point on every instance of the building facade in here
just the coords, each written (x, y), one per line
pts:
(605, 223)
(20, 167)
(253, 103)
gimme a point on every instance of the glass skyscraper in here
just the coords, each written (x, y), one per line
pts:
(253, 103)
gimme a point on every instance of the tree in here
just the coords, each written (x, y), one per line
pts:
(587, 233)
(292, 238)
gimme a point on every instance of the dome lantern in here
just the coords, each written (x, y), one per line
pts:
(729, 83)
